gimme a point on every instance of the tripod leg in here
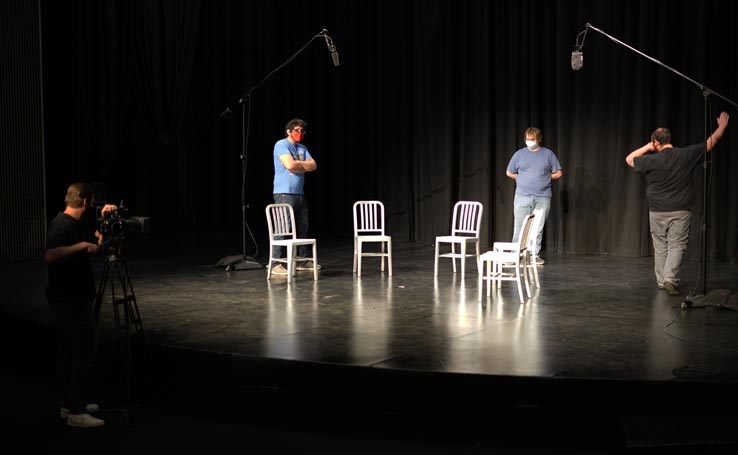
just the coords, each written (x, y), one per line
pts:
(133, 309)
(125, 314)
(122, 318)
(101, 288)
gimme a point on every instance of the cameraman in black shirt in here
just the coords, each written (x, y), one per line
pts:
(71, 239)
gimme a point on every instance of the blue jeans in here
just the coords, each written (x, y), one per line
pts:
(670, 234)
(300, 207)
(524, 206)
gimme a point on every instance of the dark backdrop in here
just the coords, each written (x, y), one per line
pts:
(428, 105)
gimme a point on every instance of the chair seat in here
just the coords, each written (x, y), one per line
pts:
(295, 242)
(504, 246)
(456, 238)
(373, 238)
(499, 256)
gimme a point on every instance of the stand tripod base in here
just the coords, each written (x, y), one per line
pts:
(718, 298)
(238, 262)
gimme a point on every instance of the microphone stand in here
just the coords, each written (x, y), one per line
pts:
(690, 299)
(243, 261)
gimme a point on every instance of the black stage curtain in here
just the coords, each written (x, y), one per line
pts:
(428, 105)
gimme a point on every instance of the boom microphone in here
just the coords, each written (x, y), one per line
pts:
(577, 56)
(331, 48)
(577, 60)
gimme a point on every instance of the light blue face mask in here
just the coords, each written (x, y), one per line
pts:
(531, 144)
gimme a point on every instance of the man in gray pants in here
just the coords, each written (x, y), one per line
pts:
(670, 191)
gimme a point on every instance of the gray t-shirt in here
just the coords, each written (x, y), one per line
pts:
(534, 171)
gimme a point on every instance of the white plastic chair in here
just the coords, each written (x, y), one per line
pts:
(496, 261)
(369, 227)
(465, 225)
(281, 222)
(530, 258)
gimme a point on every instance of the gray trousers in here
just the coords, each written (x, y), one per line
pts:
(670, 234)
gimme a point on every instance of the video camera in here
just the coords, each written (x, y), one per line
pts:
(114, 226)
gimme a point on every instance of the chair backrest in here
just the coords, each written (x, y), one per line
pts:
(368, 217)
(526, 233)
(281, 220)
(537, 220)
(467, 218)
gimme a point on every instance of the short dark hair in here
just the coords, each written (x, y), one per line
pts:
(662, 135)
(77, 193)
(296, 122)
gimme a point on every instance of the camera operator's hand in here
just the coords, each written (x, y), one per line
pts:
(107, 208)
(91, 247)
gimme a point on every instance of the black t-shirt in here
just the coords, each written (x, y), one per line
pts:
(669, 177)
(73, 277)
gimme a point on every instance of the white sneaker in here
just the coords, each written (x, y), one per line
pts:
(84, 421)
(279, 269)
(64, 412)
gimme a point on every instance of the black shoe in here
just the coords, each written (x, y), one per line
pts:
(671, 288)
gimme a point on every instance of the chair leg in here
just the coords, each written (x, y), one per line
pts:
(520, 286)
(527, 281)
(453, 253)
(269, 264)
(479, 264)
(359, 251)
(315, 261)
(290, 263)
(534, 266)
(355, 250)
(435, 266)
(480, 284)
(381, 258)
(498, 274)
(463, 259)
(389, 256)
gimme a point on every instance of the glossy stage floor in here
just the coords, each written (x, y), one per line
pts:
(597, 337)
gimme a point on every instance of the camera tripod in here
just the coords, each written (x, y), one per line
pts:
(125, 315)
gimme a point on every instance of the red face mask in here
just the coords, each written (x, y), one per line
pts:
(297, 135)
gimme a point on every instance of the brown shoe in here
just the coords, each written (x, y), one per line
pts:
(671, 288)
(307, 265)
(279, 269)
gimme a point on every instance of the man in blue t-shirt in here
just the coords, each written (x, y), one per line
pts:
(291, 161)
(533, 168)
(670, 191)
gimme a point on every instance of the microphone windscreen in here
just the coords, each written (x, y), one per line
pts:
(577, 60)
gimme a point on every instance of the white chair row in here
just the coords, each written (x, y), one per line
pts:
(368, 228)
